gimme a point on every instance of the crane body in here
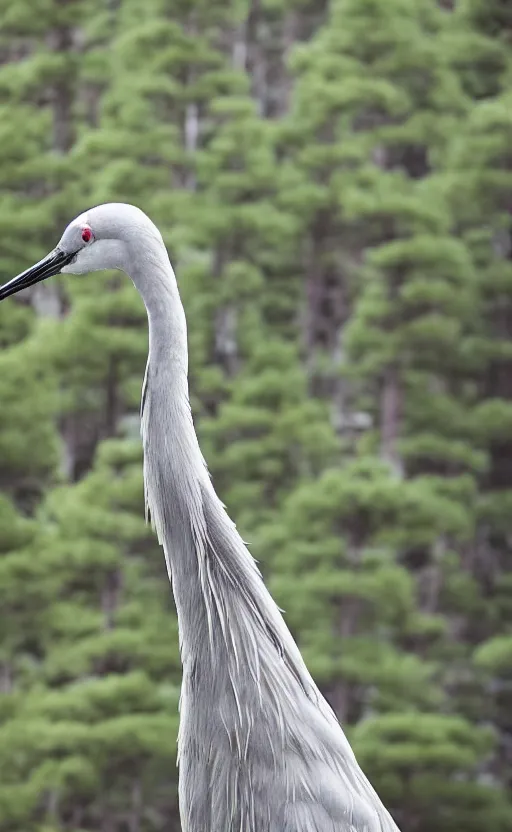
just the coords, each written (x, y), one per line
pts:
(259, 748)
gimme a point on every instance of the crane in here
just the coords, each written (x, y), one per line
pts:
(259, 748)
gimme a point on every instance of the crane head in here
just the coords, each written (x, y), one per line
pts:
(105, 237)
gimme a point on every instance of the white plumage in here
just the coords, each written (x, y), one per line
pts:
(260, 750)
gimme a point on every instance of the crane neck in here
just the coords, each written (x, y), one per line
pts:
(175, 475)
(214, 577)
(156, 282)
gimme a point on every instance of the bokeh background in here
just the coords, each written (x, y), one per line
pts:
(333, 180)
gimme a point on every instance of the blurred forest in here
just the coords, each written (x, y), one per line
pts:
(333, 180)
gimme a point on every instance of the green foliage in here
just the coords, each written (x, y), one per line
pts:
(333, 183)
(426, 761)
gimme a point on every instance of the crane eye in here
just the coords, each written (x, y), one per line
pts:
(86, 234)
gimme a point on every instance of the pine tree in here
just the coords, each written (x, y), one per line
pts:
(332, 180)
(479, 164)
(393, 297)
(93, 720)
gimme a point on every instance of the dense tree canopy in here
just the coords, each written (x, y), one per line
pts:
(333, 180)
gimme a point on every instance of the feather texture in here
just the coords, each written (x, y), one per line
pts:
(259, 748)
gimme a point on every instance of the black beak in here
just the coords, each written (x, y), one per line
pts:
(48, 266)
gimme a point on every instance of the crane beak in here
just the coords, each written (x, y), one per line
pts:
(48, 266)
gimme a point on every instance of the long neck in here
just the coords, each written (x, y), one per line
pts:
(217, 587)
(249, 695)
(174, 471)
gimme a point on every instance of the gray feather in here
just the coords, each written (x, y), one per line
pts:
(259, 748)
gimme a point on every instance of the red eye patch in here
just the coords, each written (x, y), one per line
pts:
(86, 234)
